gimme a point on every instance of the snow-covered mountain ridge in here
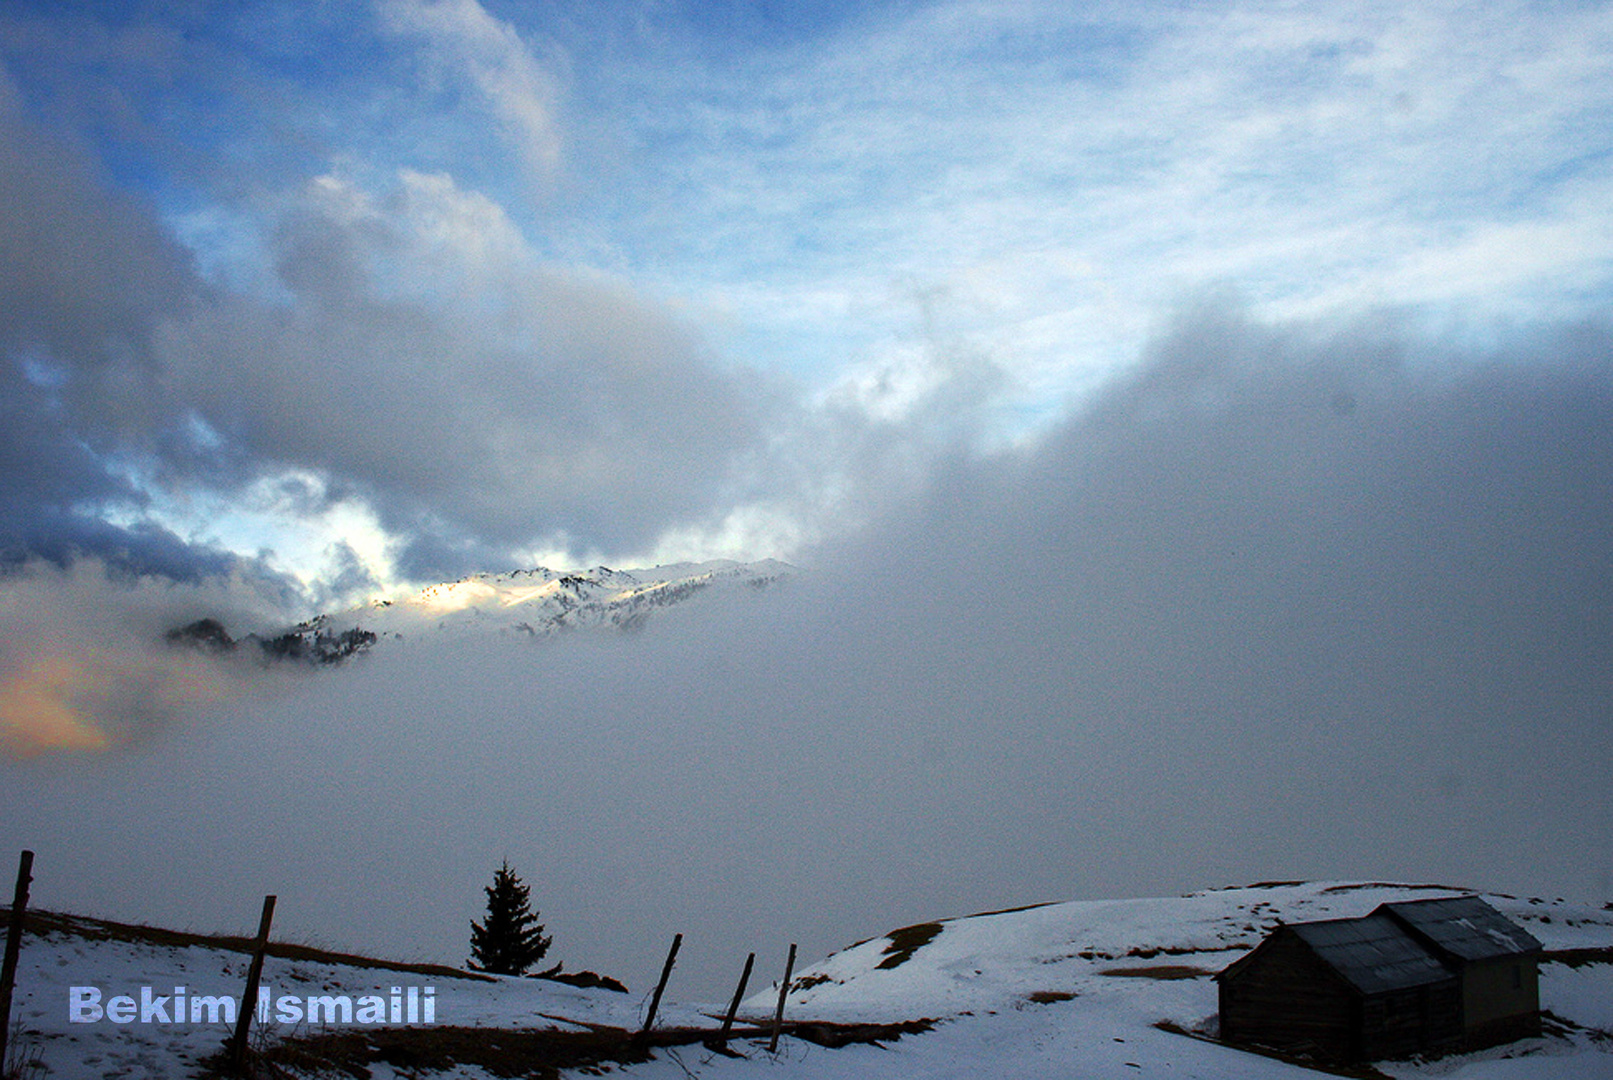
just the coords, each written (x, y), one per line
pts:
(542, 602)
(539, 603)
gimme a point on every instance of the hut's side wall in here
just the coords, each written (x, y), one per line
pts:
(1501, 999)
(1404, 1022)
(1391, 1025)
(1287, 999)
(1443, 1029)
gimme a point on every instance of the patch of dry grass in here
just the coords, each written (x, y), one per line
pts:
(907, 941)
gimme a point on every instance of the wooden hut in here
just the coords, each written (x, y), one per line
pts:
(1414, 977)
(1341, 990)
(1497, 961)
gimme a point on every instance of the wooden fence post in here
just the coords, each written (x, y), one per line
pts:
(733, 1006)
(8, 967)
(783, 990)
(249, 1000)
(666, 973)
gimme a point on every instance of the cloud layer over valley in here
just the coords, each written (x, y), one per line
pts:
(1287, 602)
(1193, 427)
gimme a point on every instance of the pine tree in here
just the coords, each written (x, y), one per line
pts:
(510, 939)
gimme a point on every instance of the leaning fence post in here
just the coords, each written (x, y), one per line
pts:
(666, 973)
(733, 1006)
(249, 1000)
(8, 968)
(784, 989)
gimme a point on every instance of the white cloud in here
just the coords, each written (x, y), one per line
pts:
(467, 42)
(1074, 172)
(429, 366)
(1023, 186)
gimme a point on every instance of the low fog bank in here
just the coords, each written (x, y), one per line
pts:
(1283, 604)
(84, 664)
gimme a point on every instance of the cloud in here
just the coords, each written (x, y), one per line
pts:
(37, 710)
(465, 41)
(431, 362)
(84, 665)
(1287, 598)
(819, 206)
(83, 273)
(1295, 600)
(1309, 598)
(1079, 168)
(415, 354)
(86, 277)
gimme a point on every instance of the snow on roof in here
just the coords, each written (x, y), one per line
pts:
(1463, 927)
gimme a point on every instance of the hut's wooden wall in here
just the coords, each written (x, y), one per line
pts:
(1501, 999)
(1286, 998)
(1410, 1021)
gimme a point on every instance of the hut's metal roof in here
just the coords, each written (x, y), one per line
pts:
(1463, 927)
(1374, 954)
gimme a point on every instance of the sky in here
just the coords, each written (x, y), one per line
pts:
(1194, 422)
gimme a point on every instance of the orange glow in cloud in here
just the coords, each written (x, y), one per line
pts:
(84, 667)
(38, 710)
(97, 700)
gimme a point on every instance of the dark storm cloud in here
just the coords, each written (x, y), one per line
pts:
(42, 461)
(429, 555)
(84, 279)
(83, 273)
(1288, 602)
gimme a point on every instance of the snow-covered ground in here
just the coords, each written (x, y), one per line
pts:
(1068, 990)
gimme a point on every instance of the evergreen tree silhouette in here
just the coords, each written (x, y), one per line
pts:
(510, 939)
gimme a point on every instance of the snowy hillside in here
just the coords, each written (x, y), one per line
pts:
(1088, 989)
(66, 1033)
(1079, 987)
